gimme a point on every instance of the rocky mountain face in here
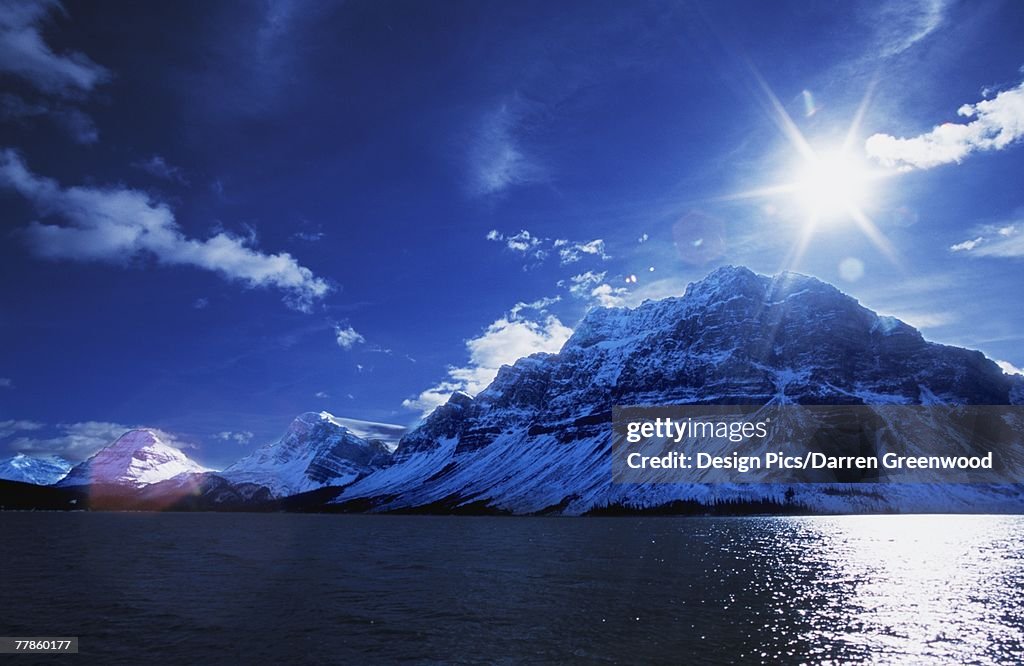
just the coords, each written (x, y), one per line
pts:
(317, 450)
(137, 458)
(538, 438)
(29, 469)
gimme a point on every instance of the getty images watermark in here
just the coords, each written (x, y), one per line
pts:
(818, 444)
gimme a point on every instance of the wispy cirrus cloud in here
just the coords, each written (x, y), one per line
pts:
(156, 165)
(503, 342)
(242, 437)
(78, 126)
(116, 224)
(24, 52)
(901, 25)
(60, 79)
(498, 158)
(997, 124)
(994, 240)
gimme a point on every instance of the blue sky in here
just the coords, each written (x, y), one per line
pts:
(216, 216)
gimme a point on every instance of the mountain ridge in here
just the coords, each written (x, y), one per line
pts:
(537, 439)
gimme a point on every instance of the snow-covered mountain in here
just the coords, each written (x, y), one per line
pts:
(29, 469)
(137, 458)
(318, 450)
(539, 437)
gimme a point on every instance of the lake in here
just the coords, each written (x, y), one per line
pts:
(360, 589)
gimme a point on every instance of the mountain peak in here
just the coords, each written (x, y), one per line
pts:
(317, 450)
(139, 457)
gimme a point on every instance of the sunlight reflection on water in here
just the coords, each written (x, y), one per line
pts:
(911, 588)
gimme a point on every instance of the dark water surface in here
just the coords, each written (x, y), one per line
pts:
(254, 588)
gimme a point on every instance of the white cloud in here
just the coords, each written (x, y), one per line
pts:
(540, 305)
(655, 290)
(967, 245)
(201, 303)
(6, 382)
(506, 340)
(1009, 368)
(156, 165)
(321, 394)
(14, 426)
(998, 123)
(571, 252)
(117, 224)
(1005, 241)
(243, 437)
(520, 242)
(347, 337)
(496, 156)
(23, 51)
(582, 284)
(609, 296)
(539, 248)
(591, 285)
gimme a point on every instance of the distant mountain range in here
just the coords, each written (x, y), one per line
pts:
(538, 439)
(28, 469)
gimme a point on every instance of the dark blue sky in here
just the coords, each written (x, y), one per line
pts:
(216, 216)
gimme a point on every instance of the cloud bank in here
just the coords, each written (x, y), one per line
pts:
(117, 224)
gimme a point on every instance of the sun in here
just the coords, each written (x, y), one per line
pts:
(832, 186)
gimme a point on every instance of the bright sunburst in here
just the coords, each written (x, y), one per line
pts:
(831, 186)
